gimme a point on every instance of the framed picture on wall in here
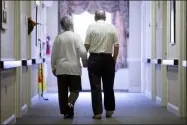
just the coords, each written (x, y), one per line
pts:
(172, 21)
(4, 16)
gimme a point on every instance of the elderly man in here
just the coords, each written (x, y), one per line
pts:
(65, 62)
(100, 40)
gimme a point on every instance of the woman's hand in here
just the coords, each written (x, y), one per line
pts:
(85, 63)
(54, 72)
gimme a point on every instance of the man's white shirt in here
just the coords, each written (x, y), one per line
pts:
(101, 36)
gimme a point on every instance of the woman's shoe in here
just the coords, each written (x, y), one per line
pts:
(68, 116)
(69, 112)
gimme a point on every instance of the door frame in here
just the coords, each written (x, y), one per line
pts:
(164, 85)
(143, 47)
(18, 56)
(153, 49)
(28, 54)
(182, 56)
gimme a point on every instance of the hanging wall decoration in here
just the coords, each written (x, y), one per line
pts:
(4, 20)
(31, 25)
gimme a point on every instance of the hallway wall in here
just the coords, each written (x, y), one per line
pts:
(7, 38)
(173, 52)
(166, 81)
(34, 54)
(52, 31)
(24, 55)
(17, 47)
(19, 83)
(145, 47)
(134, 47)
(134, 51)
(8, 76)
(159, 45)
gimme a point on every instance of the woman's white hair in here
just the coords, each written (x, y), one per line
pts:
(66, 23)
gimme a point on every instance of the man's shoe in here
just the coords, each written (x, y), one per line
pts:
(97, 116)
(109, 114)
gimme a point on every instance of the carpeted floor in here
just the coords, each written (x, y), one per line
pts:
(131, 108)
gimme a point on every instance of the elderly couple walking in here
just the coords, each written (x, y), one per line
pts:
(102, 43)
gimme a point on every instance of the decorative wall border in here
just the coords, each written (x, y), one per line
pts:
(156, 61)
(37, 61)
(27, 62)
(4, 64)
(10, 64)
(168, 62)
(148, 60)
(184, 63)
(171, 62)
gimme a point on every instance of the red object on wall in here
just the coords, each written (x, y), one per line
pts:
(31, 25)
(48, 46)
(48, 49)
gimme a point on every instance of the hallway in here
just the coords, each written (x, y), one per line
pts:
(131, 108)
(151, 64)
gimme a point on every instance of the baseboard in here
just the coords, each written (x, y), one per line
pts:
(148, 94)
(34, 100)
(24, 109)
(10, 120)
(173, 109)
(158, 100)
(135, 89)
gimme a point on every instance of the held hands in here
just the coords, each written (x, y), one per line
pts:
(85, 63)
(54, 72)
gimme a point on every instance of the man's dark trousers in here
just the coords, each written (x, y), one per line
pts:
(102, 66)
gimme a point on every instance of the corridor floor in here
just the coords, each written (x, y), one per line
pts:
(131, 108)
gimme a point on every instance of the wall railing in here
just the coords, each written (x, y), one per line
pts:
(9, 64)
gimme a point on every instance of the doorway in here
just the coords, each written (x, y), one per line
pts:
(80, 27)
(126, 78)
(81, 23)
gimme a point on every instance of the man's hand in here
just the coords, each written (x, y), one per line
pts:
(115, 59)
(116, 51)
(85, 65)
(54, 72)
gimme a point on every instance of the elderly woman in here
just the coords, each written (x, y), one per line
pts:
(67, 50)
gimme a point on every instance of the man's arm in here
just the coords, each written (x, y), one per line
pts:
(87, 45)
(116, 52)
(116, 46)
(81, 49)
(53, 56)
(88, 38)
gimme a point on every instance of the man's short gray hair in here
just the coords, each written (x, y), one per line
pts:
(100, 15)
(66, 23)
